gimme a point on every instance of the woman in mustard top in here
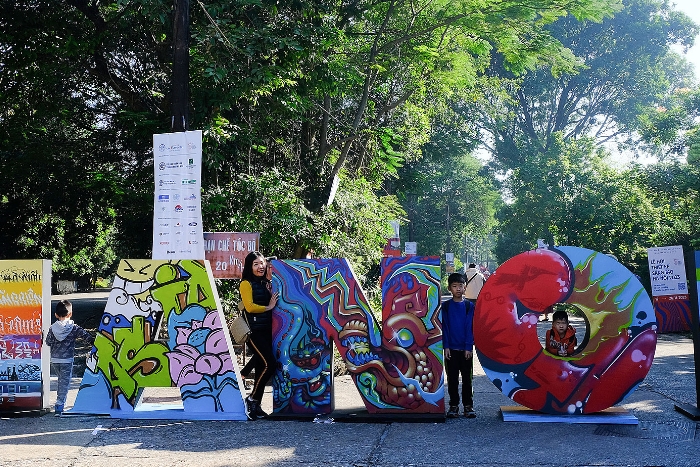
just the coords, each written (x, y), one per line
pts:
(257, 296)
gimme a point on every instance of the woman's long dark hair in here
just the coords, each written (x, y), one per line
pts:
(247, 274)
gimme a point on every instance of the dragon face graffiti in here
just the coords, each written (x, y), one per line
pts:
(397, 368)
(302, 383)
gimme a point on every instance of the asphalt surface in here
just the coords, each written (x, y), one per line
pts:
(663, 436)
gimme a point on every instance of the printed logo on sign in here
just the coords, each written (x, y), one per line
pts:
(178, 224)
(163, 198)
(170, 165)
(164, 224)
(191, 145)
(168, 252)
(193, 242)
(190, 163)
(189, 181)
(174, 147)
(176, 196)
(191, 197)
(178, 208)
(681, 286)
(192, 224)
(165, 243)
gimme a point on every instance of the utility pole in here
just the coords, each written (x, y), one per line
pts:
(181, 66)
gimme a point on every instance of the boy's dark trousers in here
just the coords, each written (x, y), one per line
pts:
(455, 365)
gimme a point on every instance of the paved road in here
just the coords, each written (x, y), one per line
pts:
(663, 437)
(87, 306)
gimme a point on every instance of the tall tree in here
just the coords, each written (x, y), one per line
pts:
(309, 88)
(448, 194)
(626, 67)
(571, 196)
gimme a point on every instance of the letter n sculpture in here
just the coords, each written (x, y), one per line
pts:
(397, 367)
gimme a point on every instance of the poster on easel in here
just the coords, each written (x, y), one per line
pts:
(669, 288)
(177, 205)
(25, 312)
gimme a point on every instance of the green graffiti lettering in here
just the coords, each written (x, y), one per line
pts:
(175, 291)
(130, 361)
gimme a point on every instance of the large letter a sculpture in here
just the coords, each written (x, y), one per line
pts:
(130, 352)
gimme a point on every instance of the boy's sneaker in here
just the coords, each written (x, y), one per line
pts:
(453, 412)
(469, 411)
(250, 409)
(58, 410)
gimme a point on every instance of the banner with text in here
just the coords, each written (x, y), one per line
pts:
(226, 252)
(669, 288)
(25, 313)
(667, 271)
(177, 209)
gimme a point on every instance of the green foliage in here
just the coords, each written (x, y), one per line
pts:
(290, 95)
(267, 203)
(447, 194)
(626, 67)
(674, 188)
(571, 196)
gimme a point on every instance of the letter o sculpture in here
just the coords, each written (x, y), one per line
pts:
(613, 357)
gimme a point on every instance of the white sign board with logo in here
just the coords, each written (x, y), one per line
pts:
(411, 248)
(667, 271)
(177, 209)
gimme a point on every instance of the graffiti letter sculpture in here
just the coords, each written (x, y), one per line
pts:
(397, 369)
(129, 354)
(615, 354)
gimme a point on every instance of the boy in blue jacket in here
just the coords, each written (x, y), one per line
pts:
(61, 338)
(458, 342)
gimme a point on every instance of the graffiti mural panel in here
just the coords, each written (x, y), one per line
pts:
(25, 310)
(615, 353)
(304, 378)
(397, 368)
(673, 313)
(162, 327)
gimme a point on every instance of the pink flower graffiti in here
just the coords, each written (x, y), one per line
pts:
(201, 351)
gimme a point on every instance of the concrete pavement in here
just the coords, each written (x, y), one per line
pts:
(664, 437)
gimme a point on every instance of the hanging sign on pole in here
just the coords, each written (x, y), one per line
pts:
(177, 206)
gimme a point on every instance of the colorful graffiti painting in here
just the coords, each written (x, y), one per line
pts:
(673, 313)
(397, 368)
(162, 327)
(615, 354)
(25, 304)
